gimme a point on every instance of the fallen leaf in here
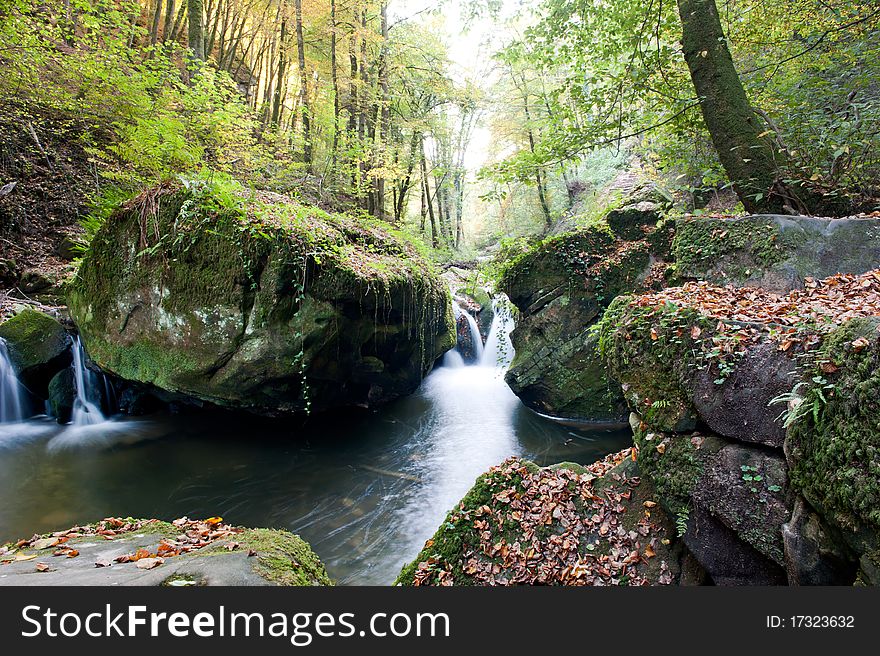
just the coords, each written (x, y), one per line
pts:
(42, 567)
(45, 543)
(150, 563)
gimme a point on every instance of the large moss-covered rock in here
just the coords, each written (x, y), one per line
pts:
(774, 252)
(560, 288)
(680, 368)
(38, 346)
(560, 525)
(250, 301)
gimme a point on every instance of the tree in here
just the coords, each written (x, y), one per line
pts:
(748, 156)
(196, 33)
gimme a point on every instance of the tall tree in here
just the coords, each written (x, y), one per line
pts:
(748, 157)
(196, 32)
(304, 85)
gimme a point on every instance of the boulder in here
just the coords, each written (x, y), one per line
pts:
(632, 222)
(252, 302)
(561, 287)
(774, 252)
(833, 443)
(62, 393)
(562, 525)
(676, 374)
(812, 555)
(39, 347)
(242, 556)
(34, 281)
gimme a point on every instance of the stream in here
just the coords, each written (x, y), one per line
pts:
(365, 489)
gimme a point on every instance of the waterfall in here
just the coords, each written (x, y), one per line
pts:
(10, 392)
(473, 331)
(85, 410)
(499, 349)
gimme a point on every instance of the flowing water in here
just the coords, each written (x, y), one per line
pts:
(364, 489)
(10, 392)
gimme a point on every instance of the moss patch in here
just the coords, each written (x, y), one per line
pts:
(34, 339)
(834, 445)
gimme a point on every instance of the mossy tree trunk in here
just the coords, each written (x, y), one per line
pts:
(195, 9)
(749, 158)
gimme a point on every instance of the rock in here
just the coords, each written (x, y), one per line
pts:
(740, 407)
(279, 558)
(9, 273)
(255, 308)
(34, 281)
(727, 559)
(812, 557)
(521, 524)
(136, 401)
(39, 348)
(631, 221)
(746, 489)
(675, 377)
(561, 287)
(833, 442)
(69, 248)
(775, 252)
(62, 393)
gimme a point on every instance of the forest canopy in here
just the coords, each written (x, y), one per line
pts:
(363, 104)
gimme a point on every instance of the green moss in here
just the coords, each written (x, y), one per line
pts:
(834, 446)
(654, 354)
(457, 533)
(700, 243)
(33, 338)
(674, 468)
(283, 558)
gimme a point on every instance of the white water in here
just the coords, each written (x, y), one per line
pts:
(499, 349)
(86, 411)
(10, 389)
(476, 338)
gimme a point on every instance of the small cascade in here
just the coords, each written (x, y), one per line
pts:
(470, 346)
(10, 389)
(86, 411)
(498, 351)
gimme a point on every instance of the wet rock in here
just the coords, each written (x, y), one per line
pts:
(39, 347)
(62, 393)
(136, 401)
(9, 272)
(560, 288)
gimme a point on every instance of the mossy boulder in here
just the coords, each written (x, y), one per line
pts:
(774, 252)
(833, 444)
(233, 557)
(561, 287)
(560, 525)
(250, 301)
(681, 368)
(38, 346)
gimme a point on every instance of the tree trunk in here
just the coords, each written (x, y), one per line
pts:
(748, 159)
(282, 72)
(196, 33)
(426, 190)
(304, 85)
(154, 28)
(169, 20)
(335, 82)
